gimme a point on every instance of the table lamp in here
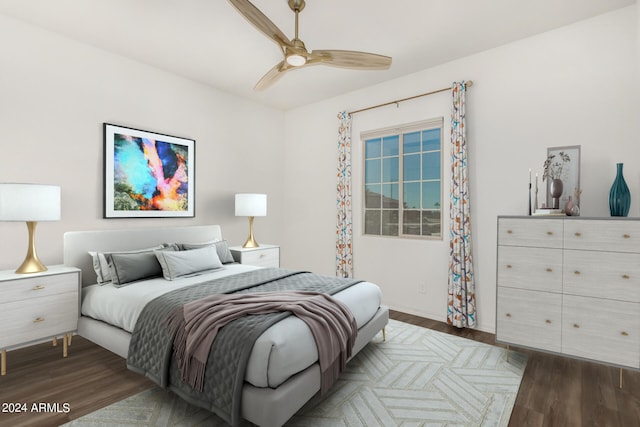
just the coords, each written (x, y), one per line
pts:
(251, 205)
(30, 203)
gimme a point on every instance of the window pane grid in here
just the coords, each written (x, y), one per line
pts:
(403, 184)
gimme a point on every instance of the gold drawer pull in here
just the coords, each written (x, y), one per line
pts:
(578, 234)
(509, 232)
(575, 325)
(509, 266)
(262, 255)
(38, 320)
(624, 334)
(576, 272)
(626, 276)
(626, 236)
(549, 270)
(37, 288)
(549, 233)
(508, 314)
(548, 321)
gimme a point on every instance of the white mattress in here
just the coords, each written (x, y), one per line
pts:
(283, 350)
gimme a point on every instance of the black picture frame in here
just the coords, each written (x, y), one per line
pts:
(147, 174)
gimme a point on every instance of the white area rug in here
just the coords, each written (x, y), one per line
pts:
(417, 377)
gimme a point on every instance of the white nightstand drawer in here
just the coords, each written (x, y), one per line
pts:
(262, 256)
(41, 318)
(39, 286)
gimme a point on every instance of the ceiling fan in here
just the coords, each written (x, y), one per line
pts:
(296, 54)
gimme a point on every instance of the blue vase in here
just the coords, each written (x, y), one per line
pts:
(619, 196)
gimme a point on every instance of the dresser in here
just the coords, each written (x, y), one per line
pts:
(570, 285)
(38, 306)
(262, 256)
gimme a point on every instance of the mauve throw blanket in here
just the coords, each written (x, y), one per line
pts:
(330, 321)
(151, 347)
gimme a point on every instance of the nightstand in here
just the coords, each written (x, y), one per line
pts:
(262, 256)
(38, 306)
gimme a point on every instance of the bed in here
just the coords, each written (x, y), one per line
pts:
(282, 372)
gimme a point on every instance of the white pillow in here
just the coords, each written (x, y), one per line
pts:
(183, 263)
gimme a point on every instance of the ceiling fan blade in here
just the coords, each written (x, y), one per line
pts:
(261, 22)
(272, 76)
(352, 59)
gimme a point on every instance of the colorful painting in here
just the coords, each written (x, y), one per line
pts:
(147, 174)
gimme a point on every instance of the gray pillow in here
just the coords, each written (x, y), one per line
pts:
(101, 263)
(222, 248)
(128, 268)
(189, 262)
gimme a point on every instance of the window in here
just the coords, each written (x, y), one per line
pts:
(402, 180)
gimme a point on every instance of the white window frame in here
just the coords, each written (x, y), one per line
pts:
(399, 130)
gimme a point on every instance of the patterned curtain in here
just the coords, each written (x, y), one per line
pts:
(344, 226)
(461, 310)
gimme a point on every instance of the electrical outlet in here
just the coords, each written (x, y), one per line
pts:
(422, 288)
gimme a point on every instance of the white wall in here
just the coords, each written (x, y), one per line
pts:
(56, 93)
(575, 85)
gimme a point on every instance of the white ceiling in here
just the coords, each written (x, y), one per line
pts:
(208, 41)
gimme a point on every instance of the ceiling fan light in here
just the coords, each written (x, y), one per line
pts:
(296, 60)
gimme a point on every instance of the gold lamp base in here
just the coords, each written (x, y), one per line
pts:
(251, 242)
(31, 263)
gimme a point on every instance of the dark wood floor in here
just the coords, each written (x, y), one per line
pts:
(88, 379)
(555, 391)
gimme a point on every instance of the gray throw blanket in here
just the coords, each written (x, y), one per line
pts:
(151, 346)
(330, 321)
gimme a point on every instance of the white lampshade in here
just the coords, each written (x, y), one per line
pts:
(249, 204)
(29, 202)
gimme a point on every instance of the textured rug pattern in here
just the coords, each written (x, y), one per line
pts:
(417, 377)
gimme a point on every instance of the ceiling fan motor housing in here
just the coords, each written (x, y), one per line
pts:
(297, 5)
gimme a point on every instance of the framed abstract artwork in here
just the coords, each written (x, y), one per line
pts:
(147, 175)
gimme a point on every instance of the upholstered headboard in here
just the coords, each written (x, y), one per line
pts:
(77, 244)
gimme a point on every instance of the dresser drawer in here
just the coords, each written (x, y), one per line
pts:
(37, 318)
(530, 268)
(542, 233)
(603, 330)
(603, 235)
(529, 318)
(39, 286)
(610, 275)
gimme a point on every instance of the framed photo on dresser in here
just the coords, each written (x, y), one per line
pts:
(147, 174)
(570, 175)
